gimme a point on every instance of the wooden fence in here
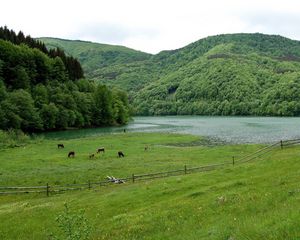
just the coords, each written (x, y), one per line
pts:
(47, 189)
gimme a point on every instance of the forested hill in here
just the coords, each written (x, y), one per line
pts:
(231, 74)
(38, 92)
(95, 55)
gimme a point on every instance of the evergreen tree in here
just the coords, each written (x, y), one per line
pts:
(72, 65)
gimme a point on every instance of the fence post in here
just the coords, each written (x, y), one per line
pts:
(133, 177)
(185, 170)
(281, 144)
(47, 189)
(233, 160)
(89, 184)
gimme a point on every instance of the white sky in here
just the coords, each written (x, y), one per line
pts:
(150, 25)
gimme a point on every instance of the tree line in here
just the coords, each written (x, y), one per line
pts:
(72, 65)
(37, 93)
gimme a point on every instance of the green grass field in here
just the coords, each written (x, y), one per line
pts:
(257, 200)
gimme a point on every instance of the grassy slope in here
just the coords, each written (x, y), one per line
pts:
(95, 55)
(261, 197)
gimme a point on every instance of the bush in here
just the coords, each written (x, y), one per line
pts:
(74, 225)
(13, 138)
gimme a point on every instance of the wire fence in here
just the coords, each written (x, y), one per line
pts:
(47, 189)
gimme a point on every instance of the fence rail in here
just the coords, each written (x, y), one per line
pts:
(5, 190)
(290, 142)
(258, 153)
(35, 187)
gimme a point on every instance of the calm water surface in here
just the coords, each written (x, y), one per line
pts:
(228, 129)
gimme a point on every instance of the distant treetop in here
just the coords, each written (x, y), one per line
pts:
(72, 65)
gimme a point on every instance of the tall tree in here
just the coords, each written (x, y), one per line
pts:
(102, 112)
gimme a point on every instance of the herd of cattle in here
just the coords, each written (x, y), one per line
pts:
(99, 150)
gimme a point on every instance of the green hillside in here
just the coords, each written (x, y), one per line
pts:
(232, 74)
(95, 55)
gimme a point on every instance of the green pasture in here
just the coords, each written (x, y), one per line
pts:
(42, 162)
(255, 200)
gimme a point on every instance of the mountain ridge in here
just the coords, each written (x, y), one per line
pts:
(93, 55)
(213, 76)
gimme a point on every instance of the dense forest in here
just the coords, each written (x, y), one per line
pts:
(230, 74)
(238, 74)
(72, 65)
(40, 91)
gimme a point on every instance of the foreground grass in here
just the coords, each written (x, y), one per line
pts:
(258, 200)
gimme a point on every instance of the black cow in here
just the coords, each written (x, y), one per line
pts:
(71, 154)
(60, 145)
(101, 150)
(121, 154)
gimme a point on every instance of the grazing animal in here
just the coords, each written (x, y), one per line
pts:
(60, 145)
(121, 154)
(146, 148)
(71, 154)
(91, 155)
(101, 150)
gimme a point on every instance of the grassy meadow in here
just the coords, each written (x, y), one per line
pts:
(256, 200)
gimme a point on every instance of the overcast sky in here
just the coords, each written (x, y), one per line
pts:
(150, 25)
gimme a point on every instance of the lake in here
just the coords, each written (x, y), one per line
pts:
(223, 129)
